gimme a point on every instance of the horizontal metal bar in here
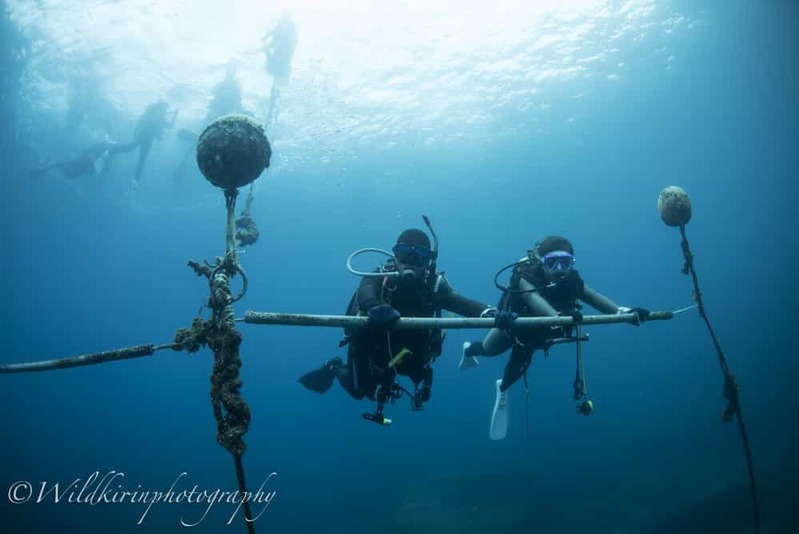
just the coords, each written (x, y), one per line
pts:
(405, 323)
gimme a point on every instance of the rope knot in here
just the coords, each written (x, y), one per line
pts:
(192, 339)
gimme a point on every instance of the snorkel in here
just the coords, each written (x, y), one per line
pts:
(407, 274)
(431, 275)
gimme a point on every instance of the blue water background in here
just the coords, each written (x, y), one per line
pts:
(83, 273)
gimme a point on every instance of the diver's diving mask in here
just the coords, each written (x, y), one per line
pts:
(558, 261)
(412, 255)
(412, 261)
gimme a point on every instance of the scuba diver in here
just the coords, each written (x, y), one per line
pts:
(247, 232)
(278, 46)
(151, 125)
(543, 284)
(88, 163)
(227, 99)
(226, 95)
(405, 285)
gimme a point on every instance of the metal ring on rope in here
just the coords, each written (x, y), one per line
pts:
(236, 269)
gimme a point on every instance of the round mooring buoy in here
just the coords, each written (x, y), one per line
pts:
(674, 206)
(233, 151)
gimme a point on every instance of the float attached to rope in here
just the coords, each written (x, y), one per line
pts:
(674, 206)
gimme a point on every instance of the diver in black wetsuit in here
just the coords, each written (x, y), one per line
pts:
(278, 45)
(543, 284)
(150, 127)
(89, 162)
(406, 285)
(227, 95)
(226, 99)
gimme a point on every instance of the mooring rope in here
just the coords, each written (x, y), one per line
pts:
(730, 391)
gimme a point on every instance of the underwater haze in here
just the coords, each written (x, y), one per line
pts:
(501, 121)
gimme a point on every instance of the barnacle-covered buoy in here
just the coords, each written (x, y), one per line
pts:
(674, 206)
(233, 151)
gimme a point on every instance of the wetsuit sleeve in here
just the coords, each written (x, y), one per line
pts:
(537, 304)
(369, 293)
(453, 301)
(598, 301)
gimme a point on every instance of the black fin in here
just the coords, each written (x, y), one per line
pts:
(319, 380)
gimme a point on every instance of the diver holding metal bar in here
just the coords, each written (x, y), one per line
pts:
(407, 284)
(543, 284)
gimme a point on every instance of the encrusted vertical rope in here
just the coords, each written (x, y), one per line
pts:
(221, 305)
(230, 234)
(231, 412)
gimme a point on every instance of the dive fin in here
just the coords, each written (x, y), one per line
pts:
(320, 380)
(101, 162)
(499, 418)
(467, 361)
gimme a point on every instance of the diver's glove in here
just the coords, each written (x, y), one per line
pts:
(504, 319)
(642, 313)
(382, 316)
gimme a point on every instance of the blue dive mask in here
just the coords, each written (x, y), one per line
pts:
(558, 261)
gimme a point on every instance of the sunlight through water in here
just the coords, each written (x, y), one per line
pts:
(366, 73)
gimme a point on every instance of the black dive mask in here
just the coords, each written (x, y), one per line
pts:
(412, 262)
(414, 255)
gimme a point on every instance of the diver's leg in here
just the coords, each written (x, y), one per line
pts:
(274, 97)
(127, 147)
(144, 151)
(355, 376)
(493, 344)
(519, 361)
(43, 169)
(426, 380)
(181, 169)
